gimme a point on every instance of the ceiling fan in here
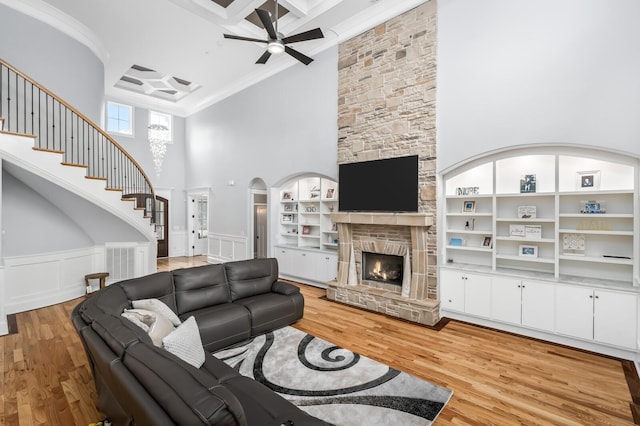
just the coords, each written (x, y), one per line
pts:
(277, 43)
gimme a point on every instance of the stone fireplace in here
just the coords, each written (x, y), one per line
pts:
(401, 235)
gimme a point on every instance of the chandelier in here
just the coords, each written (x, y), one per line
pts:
(159, 137)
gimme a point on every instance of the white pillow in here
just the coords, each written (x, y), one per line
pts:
(137, 319)
(158, 326)
(185, 343)
(157, 306)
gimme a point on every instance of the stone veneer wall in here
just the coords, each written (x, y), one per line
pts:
(386, 102)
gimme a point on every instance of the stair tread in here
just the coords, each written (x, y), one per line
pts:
(64, 163)
(96, 177)
(55, 151)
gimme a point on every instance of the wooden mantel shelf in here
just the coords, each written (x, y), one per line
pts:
(397, 219)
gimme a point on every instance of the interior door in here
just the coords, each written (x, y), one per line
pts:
(199, 224)
(162, 228)
(260, 231)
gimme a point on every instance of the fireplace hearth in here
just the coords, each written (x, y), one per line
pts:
(384, 268)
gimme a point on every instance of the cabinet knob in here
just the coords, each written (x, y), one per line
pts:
(449, 300)
(591, 296)
(597, 297)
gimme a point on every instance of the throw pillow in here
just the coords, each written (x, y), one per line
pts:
(158, 306)
(185, 343)
(137, 319)
(158, 325)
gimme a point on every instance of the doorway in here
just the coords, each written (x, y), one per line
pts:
(198, 223)
(161, 225)
(258, 218)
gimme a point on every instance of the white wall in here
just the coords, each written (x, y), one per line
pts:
(55, 60)
(514, 72)
(279, 127)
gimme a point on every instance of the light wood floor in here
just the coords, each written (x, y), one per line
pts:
(497, 378)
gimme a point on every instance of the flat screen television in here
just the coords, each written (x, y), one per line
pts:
(388, 185)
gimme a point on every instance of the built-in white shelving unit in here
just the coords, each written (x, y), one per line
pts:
(307, 240)
(536, 222)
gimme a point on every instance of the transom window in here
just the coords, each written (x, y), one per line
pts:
(120, 118)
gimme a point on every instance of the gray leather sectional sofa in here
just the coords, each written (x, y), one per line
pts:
(139, 383)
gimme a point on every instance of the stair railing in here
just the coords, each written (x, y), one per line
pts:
(29, 108)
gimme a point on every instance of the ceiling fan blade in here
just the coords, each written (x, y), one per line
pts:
(299, 56)
(265, 18)
(307, 35)
(264, 58)
(235, 37)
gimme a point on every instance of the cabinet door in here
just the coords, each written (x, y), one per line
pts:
(451, 291)
(506, 299)
(285, 260)
(477, 295)
(574, 311)
(327, 267)
(614, 318)
(538, 301)
(305, 264)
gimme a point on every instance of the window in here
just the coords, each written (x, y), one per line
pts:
(164, 120)
(120, 118)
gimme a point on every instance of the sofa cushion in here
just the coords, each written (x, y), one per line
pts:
(222, 325)
(188, 395)
(185, 343)
(154, 286)
(272, 310)
(200, 286)
(118, 333)
(251, 277)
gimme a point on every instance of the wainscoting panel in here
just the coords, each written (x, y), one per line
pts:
(178, 241)
(35, 281)
(226, 248)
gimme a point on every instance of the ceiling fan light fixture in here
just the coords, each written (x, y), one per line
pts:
(275, 47)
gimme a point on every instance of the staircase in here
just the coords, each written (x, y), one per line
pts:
(58, 152)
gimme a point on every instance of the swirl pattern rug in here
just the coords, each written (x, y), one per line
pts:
(334, 384)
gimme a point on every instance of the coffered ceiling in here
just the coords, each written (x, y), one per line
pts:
(170, 55)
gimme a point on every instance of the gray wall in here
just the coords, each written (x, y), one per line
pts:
(53, 59)
(520, 72)
(26, 230)
(282, 126)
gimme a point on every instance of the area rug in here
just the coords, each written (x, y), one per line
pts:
(334, 384)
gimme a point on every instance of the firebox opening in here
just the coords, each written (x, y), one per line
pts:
(384, 268)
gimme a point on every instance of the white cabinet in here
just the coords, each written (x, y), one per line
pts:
(600, 315)
(464, 292)
(526, 302)
(310, 265)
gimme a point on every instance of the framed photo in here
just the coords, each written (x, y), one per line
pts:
(573, 244)
(588, 181)
(306, 230)
(287, 218)
(517, 231)
(592, 207)
(331, 192)
(533, 232)
(287, 196)
(457, 241)
(528, 251)
(486, 242)
(526, 212)
(528, 183)
(469, 206)
(288, 207)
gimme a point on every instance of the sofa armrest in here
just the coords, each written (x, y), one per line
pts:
(284, 288)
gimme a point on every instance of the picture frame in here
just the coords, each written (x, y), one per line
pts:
(592, 207)
(287, 218)
(331, 192)
(533, 232)
(528, 183)
(573, 244)
(528, 250)
(469, 206)
(487, 242)
(527, 212)
(306, 230)
(516, 230)
(287, 195)
(288, 207)
(457, 242)
(588, 180)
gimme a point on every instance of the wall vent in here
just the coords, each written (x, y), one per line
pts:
(120, 263)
